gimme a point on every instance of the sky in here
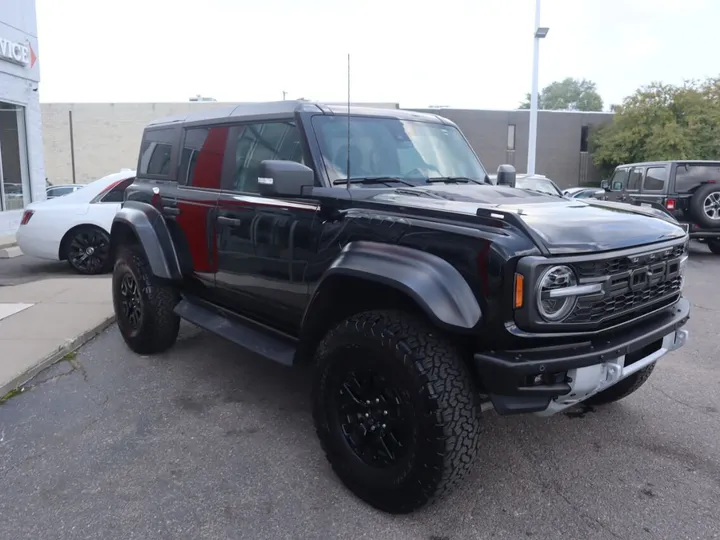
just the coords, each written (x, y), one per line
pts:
(419, 53)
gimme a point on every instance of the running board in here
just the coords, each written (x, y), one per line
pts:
(252, 336)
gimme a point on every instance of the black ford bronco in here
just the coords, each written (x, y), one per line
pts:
(373, 246)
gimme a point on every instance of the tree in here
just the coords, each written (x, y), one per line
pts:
(662, 122)
(568, 95)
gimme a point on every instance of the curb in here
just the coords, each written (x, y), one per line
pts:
(70, 345)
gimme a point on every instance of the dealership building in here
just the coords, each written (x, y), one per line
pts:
(22, 170)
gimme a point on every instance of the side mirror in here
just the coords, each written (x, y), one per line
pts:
(599, 193)
(506, 175)
(605, 185)
(278, 178)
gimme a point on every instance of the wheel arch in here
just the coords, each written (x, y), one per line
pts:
(368, 275)
(142, 224)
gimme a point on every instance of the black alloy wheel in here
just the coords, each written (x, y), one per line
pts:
(374, 416)
(131, 301)
(88, 251)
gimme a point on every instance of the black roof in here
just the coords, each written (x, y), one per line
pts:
(209, 114)
(687, 161)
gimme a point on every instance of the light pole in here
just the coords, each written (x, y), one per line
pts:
(540, 32)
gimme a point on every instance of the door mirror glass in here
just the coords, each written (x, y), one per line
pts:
(506, 175)
(605, 185)
(278, 178)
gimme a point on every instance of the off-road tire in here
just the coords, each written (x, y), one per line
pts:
(159, 325)
(714, 246)
(445, 423)
(622, 389)
(696, 206)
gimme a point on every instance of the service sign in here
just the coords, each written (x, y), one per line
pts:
(17, 53)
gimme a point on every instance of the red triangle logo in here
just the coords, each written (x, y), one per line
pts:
(33, 56)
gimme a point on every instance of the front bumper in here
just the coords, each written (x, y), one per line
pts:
(549, 379)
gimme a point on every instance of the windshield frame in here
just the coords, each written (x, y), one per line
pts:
(324, 175)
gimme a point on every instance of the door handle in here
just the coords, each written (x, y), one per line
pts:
(171, 210)
(229, 221)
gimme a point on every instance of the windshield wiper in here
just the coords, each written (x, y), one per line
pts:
(452, 179)
(373, 180)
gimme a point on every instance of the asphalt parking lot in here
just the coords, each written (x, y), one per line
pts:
(206, 442)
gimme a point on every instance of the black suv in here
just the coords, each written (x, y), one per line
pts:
(689, 190)
(374, 246)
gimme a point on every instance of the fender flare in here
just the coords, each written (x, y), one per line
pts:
(152, 232)
(433, 283)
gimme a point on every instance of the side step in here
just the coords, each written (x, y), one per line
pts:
(250, 335)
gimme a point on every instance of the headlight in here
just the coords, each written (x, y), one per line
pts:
(553, 303)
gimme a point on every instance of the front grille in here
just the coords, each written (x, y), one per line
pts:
(634, 284)
(616, 265)
(588, 311)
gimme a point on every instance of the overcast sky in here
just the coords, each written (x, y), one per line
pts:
(460, 53)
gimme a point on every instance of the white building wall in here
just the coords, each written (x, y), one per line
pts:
(19, 85)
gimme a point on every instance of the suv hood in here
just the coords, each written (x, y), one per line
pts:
(564, 225)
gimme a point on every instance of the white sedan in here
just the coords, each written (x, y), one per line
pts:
(75, 227)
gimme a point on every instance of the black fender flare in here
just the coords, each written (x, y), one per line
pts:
(433, 283)
(149, 226)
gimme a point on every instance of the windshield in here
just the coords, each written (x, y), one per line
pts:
(536, 184)
(388, 147)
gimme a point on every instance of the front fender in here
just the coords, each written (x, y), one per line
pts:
(433, 283)
(151, 231)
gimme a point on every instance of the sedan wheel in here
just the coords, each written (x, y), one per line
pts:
(88, 251)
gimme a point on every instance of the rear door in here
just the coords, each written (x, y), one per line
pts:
(653, 189)
(264, 244)
(184, 168)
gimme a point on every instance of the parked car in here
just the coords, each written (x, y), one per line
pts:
(372, 246)
(62, 189)
(75, 227)
(533, 182)
(687, 189)
(584, 193)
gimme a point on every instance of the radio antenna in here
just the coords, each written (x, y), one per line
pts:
(348, 121)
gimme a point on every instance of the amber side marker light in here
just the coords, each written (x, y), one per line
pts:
(519, 284)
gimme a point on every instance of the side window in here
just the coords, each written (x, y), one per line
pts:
(117, 194)
(258, 142)
(633, 183)
(688, 175)
(655, 179)
(619, 180)
(201, 161)
(156, 152)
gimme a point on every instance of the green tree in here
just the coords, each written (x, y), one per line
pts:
(662, 122)
(568, 95)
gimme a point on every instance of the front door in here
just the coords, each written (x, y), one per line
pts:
(264, 244)
(618, 184)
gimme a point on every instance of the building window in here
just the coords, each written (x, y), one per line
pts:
(511, 137)
(14, 185)
(584, 131)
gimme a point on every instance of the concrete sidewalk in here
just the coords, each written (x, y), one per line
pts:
(41, 322)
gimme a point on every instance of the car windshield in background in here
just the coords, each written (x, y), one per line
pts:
(410, 151)
(536, 184)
